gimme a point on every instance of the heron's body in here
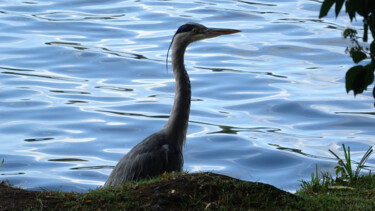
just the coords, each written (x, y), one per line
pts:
(162, 151)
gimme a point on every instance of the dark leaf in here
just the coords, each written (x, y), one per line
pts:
(359, 4)
(365, 27)
(371, 7)
(369, 75)
(357, 56)
(372, 47)
(358, 78)
(373, 92)
(338, 7)
(348, 32)
(326, 6)
(350, 9)
(359, 82)
(350, 77)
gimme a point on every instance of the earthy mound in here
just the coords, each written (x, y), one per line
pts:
(169, 192)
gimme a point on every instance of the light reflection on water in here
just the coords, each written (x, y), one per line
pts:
(82, 82)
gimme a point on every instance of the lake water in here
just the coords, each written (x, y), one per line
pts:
(83, 81)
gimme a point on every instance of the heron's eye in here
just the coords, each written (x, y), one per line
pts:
(195, 30)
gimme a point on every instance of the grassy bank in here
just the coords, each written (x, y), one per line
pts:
(182, 191)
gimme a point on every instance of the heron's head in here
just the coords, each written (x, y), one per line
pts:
(191, 32)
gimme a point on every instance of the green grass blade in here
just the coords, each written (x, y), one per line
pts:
(334, 154)
(361, 163)
(317, 179)
(348, 165)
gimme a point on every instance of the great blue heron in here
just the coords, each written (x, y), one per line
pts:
(162, 151)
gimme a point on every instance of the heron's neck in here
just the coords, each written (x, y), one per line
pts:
(178, 121)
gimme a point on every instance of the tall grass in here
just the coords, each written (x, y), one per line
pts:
(319, 180)
(345, 167)
(344, 172)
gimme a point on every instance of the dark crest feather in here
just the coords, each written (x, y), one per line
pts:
(166, 61)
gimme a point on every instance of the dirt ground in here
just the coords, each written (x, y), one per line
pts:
(180, 192)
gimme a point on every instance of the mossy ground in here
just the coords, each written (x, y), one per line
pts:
(202, 191)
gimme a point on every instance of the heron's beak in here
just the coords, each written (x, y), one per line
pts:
(214, 32)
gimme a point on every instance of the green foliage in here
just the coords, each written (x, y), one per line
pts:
(359, 77)
(323, 181)
(357, 55)
(345, 168)
(364, 8)
(357, 195)
(351, 33)
(1, 164)
(326, 6)
(318, 181)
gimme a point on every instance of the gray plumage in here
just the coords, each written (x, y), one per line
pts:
(162, 151)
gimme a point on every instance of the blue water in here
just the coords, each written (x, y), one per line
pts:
(82, 82)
